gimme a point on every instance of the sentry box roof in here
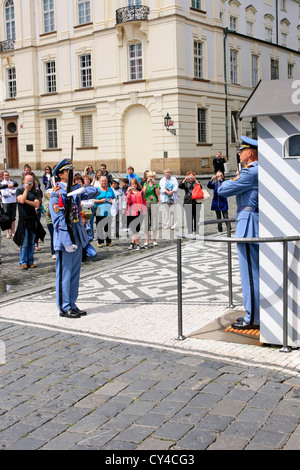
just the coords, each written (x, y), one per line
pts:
(273, 98)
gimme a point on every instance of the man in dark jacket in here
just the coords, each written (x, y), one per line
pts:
(218, 163)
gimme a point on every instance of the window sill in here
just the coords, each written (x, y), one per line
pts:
(49, 94)
(47, 34)
(84, 89)
(198, 11)
(52, 150)
(205, 80)
(86, 148)
(78, 26)
(134, 81)
(204, 144)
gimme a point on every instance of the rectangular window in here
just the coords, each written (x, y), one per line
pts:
(86, 131)
(51, 132)
(254, 70)
(50, 75)
(85, 71)
(84, 11)
(283, 5)
(134, 3)
(135, 62)
(198, 59)
(284, 39)
(202, 125)
(274, 69)
(249, 28)
(268, 34)
(11, 83)
(233, 23)
(48, 15)
(290, 72)
(10, 20)
(233, 67)
(196, 4)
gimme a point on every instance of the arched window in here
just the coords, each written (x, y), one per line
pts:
(10, 20)
(292, 146)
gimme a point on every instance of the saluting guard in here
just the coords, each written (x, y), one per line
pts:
(245, 187)
(69, 238)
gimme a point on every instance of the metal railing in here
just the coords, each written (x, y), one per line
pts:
(132, 13)
(7, 45)
(229, 240)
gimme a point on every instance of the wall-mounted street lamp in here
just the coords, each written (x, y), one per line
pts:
(168, 122)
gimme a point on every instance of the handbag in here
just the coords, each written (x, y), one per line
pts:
(199, 194)
(5, 222)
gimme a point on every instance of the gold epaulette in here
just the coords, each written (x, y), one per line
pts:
(57, 188)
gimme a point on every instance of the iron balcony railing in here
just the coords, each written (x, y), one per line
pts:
(7, 45)
(133, 13)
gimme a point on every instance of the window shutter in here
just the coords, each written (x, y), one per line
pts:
(87, 131)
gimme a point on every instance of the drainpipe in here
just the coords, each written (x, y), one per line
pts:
(277, 25)
(226, 90)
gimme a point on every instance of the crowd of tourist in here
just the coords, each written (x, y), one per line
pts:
(124, 204)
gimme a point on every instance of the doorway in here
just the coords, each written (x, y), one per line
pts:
(12, 145)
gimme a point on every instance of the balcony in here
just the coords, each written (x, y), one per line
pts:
(8, 45)
(133, 13)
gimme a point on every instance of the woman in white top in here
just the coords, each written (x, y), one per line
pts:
(169, 198)
(9, 201)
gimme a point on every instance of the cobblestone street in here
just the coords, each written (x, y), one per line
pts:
(119, 379)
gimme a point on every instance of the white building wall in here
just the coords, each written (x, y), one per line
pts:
(168, 83)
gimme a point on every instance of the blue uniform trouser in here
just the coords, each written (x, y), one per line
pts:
(68, 267)
(248, 254)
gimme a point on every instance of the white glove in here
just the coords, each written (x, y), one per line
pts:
(77, 191)
(71, 248)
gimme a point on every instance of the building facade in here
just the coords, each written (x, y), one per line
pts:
(108, 72)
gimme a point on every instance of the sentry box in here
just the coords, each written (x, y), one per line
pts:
(276, 105)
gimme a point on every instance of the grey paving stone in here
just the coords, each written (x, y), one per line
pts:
(172, 430)
(205, 400)
(242, 429)
(281, 423)
(196, 440)
(189, 415)
(272, 439)
(214, 423)
(254, 414)
(27, 444)
(289, 407)
(152, 419)
(228, 443)
(135, 433)
(48, 431)
(228, 407)
(64, 441)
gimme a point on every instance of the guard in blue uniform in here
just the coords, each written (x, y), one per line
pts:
(245, 187)
(68, 241)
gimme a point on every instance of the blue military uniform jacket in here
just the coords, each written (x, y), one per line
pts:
(245, 188)
(61, 237)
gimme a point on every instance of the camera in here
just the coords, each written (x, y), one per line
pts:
(29, 183)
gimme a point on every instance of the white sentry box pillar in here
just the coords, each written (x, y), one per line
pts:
(276, 105)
